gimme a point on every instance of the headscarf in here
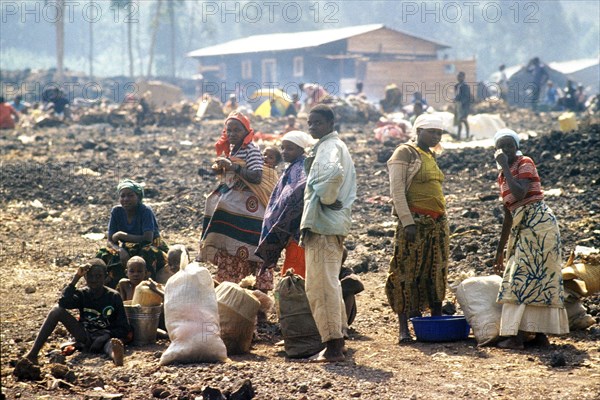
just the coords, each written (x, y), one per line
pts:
(504, 132)
(299, 138)
(223, 145)
(133, 185)
(428, 121)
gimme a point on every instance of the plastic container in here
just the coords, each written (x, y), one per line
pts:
(567, 122)
(146, 297)
(446, 328)
(143, 321)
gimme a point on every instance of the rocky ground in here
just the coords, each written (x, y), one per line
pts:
(58, 186)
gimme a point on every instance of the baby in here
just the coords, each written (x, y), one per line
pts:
(136, 272)
(272, 156)
(177, 257)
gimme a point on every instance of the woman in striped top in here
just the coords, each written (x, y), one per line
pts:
(234, 211)
(531, 293)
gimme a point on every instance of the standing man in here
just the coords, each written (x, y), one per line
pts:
(326, 220)
(539, 78)
(462, 98)
(502, 83)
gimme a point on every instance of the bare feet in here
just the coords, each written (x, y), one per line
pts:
(324, 357)
(405, 340)
(512, 343)
(31, 358)
(332, 353)
(118, 351)
(540, 340)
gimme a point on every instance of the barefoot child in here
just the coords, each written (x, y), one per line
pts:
(102, 324)
(136, 272)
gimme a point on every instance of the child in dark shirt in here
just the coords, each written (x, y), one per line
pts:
(102, 324)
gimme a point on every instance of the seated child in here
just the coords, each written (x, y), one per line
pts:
(136, 272)
(177, 257)
(102, 324)
(351, 285)
(272, 156)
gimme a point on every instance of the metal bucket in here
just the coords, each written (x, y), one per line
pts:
(143, 321)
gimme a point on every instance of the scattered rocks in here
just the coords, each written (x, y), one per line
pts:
(210, 393)
(61, 371)
(25, 370)
(30, 289)
(469, 214)
(558, 360)
(160, 392)
(365, 264)
(243, 390)
(449, 308)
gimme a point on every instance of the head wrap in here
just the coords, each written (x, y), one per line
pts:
(428, 121)
(299, 138)
(133, 185)
(223, 145)
(505, 132)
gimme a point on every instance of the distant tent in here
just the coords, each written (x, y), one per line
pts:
(520, 85)
(282, 101)
(584, 71)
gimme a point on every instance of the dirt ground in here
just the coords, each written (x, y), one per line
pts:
(58, 186)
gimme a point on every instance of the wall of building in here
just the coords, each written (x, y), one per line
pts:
(435, 79)
(385, 41)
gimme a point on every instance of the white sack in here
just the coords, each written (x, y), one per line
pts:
(477, 298)
(192, 318)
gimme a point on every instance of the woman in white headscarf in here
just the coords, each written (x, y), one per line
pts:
(531, 293)
(419, 266)
(281, 224)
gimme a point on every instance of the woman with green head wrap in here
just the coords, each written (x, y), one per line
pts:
(132, 231)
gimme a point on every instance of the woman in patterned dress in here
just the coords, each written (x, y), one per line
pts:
(234, 211)
(531, 293)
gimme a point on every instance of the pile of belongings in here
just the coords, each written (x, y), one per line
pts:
(354, 109)
(477, 297)
(393, 128)
(581, 280)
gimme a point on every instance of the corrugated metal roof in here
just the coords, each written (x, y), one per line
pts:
(290, 41)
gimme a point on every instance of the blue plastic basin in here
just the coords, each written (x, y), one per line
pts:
(446, 328)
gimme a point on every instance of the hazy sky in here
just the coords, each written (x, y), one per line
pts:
(471, 28)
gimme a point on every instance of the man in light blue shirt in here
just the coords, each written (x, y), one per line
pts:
(326, 220)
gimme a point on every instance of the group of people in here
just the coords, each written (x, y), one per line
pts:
(306, 211)
(54, 102)
(254, 215)
(528, 255)
(570, 98)
(463, 98)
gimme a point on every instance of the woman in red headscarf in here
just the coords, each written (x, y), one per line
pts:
(234, 211)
